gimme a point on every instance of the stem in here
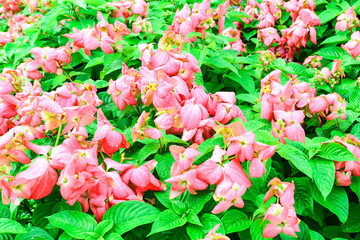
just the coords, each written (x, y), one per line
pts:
(102, 155)
(160, 143)
(123, 59)
(58, 134)
(338, 123)
(67, 76)
(138, 109)
(203, 44)
(11, 120)
(27, 208)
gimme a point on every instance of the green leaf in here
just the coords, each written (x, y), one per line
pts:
(65, 236)
(10, 226)
(147, 150)
(328, 15)
(304, 203)
(355, 185)
(167, 220)
(296, 157)
(237, 15)
(256, 230)
(41, 212)
(304, 233)
(95, 2)
(235, 221)
(316, 236)
(131, 214)
(209, 144)
(5, 236)
(94, 62)
(324, 175)
(4, 211)
(197, 202)
(331, 53)
(218, 62)
(193, 218)
(337, 202)
(101, 84)
(355, 97)
(244, 79)
(76, 224)
(209, 221)
(113, 236)
(253, 125)
(194, 34)
(104, 227)
(335, 152)
(65, 206)
(58, 80)
(246, 98)
(164, 166)
(80, 3)
(34, 233)
(22, 52)
(10, 49)
(356, 5)
(335, 40)
(352, 225)
(179, 207)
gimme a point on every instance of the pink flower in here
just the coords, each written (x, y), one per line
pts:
(142, 130)
(347, 20)
(318, 104)
(111, 140)
(314, 61)
(142, 178)
(36, 182)
(242, 146)
(262, 153)
(232, 197)
(46, 57)
(342, 178)
(212, 235)
(282, 219)
(211, 171)
(188, 180)
(282, 190)
(269, 36)
(184, 157)
(192, 113)
(123, 91)
(353, 46)
(293, 121)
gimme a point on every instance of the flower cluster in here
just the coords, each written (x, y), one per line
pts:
(223, 169)
(347, 20)
(346, 169)
(353, 46)
(282, 215)
(166, 81)
(332, 77)
(293, 38)
(103, 35)
(17, 24)
(286, 105)
(200, 18)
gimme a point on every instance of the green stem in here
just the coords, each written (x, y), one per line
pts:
(67, 76)
(102, 155)
(160, 143)
(58, 134)
(203, 44)
(26, 207)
